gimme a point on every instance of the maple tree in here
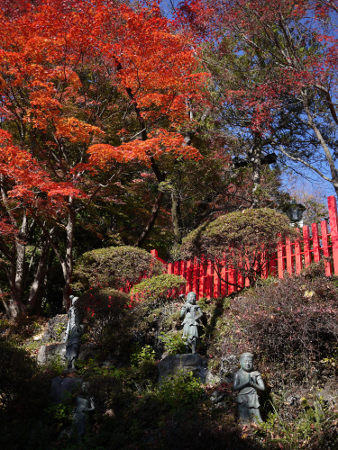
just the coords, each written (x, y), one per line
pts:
(275, 72)
(66, 69)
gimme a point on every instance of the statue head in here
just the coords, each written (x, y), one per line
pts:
(191, 298)
(85, 387)
(73, 299)
(246, 361)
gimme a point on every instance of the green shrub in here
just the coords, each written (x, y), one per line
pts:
(238, 238)
(173, 342)
(143, 355)
(60, 414)
(180, 390)
(158, 289)
(115, 267)
(311, 428)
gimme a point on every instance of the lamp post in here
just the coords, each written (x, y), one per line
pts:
(295, 213)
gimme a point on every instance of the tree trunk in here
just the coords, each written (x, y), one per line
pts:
(255, 159)
(176, 216)
(152, 219)
(36, 289)
(67, 263)
(16, 306)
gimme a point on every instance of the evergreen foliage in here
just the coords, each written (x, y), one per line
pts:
(244, 240)
(158, 289)
(115, 267)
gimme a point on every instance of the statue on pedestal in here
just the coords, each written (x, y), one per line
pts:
(248, 382)
(191, 314)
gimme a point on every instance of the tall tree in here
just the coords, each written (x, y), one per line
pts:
(66, 70)
(281, 76)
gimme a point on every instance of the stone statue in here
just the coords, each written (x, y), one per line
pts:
(73, 333)
(74, 319)
(247, 382)
(83, 406)
(191, 314)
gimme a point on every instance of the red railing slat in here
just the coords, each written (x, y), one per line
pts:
(315, 243)
(306, 239)
(298, 257)
(326, 251)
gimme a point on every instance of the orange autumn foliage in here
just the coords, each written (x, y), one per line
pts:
(47, 44)
(158, 143)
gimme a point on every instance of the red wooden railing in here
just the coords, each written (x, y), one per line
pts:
(315, 244)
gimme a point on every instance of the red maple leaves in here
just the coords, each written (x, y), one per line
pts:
(46, 48)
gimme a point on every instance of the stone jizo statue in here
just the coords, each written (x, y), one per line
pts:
(248, 382)
(74, 319)
(83, 406)
(73, 334)
(191, 314)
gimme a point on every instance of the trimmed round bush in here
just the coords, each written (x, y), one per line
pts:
(158, 289)
(115, 267)
(240, 238)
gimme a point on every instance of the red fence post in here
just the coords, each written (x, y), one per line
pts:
(272, 265)
(316, 245)
(306, 239)
(224, 286)
(188, 286)
(264, 265)
(240, 278)
(231, 278)
(216, 281)
(177, 268)
(202, 275)
(298, 257)
(183, 274)
(280, 261)
(170, 268)
(332, 205)
(195, 276)
(326, 251)
(288, 256)
(209, 279)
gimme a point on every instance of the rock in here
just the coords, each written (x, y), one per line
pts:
(51, 352)
(38, 337)
(229, 365)
(212, 378)
(110, 413)
(292, 400)
(217, 396)
(56, 329)
(175, 364)
(329, 394)
(62, 387)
